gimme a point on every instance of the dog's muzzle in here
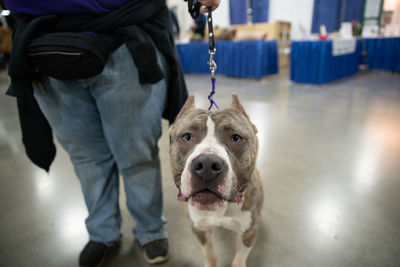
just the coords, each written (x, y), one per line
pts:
(208, 181)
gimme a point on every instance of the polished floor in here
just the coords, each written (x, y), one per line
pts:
(330, 161)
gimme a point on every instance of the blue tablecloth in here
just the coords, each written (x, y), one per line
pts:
(312, 62)
(383, 53)
(252, 59)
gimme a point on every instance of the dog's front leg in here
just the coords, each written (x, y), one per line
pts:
(244, 243)
(242, 251)
(206, 240)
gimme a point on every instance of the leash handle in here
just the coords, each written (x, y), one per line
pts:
(211, 43)
(194, 8)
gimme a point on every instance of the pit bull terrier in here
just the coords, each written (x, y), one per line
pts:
(213, 156)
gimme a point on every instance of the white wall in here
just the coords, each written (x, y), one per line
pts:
(221, 14)
(297, 12)
(184, 18)
(396, 13)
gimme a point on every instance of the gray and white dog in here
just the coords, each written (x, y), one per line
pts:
(213, 157)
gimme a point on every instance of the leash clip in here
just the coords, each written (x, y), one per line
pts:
(211, 62)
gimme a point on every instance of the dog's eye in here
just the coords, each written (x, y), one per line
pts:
(236, 138)
(186, 137)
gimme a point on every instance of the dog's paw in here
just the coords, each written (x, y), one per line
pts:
(238, 263)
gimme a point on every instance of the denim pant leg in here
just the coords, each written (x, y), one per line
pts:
(107, 122)
(76, 122)
(131, 118)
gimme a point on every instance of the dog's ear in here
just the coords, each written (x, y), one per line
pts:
(237, 105)
(189, 104)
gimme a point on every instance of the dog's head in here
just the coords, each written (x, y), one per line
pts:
(213, 154)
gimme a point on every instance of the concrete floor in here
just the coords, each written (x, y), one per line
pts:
(329, 158)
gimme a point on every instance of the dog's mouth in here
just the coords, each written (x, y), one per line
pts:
(205, 199)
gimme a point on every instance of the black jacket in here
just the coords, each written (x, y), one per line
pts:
(143, 25)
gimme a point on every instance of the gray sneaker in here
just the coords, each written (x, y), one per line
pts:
(156, 251)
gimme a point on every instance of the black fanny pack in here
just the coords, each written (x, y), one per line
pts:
(69, 55)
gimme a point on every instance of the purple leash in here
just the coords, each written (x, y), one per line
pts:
(212, 102)
(211, 62)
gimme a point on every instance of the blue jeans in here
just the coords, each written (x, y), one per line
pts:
(110, 124)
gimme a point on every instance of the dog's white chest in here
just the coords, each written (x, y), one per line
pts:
(229, 216)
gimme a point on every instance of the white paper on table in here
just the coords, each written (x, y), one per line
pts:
(392, 30)
(370, 28)
(343, 46)
(346, 30)
(322, 30)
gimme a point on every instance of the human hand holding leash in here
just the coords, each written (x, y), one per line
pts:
(209, 3)
(196, 7)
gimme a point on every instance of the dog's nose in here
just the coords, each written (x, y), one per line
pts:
(207, 166)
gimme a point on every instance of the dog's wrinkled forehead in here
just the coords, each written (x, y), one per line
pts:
(193, 119)
(226, 119)
(232, 120)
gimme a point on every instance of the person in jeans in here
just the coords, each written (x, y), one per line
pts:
(108, 123)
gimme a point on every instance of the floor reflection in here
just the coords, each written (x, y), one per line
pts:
(329, 157)
(326, 216)
(380, 144)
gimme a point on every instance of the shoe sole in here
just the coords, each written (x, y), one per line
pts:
(156, 260)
